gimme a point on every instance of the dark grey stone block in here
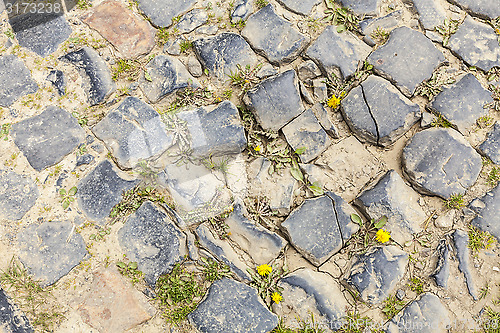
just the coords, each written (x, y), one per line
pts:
(12, 320)
(161, 12)
(15, 80)
(431, 13)
(491, 146)
(17, 195)
(367, 7)
(488, 210)
(387, 22)
(441, 273)
(303, 7)
(485, 8)
(461, 241)
(84, 160)
(58, 80)
(242, 9)
(192, 20)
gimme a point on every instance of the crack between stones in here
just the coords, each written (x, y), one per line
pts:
(337, 219)
(371, 114)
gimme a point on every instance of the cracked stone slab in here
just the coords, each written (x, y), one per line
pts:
(192, 20)
(401, 62)
(490, 9)
(130, 34)
(150, 238)
(441, 273)
(439, 161)
(58, 80)
(367, 7)
(101, 190)
(45, 139)
(396, 200)
(232, 307)
(431, 13)
(274, 37)
(306, 291)
(161, 12)
(222, 53)
(242, 9)
(324, 118)
(387, 22)
(463, 102)
(491, 146)
(97, 81)
(261, 244)
(308, 70)
(276, 100)
(133, 132)
(334, 51)
(461, 241)
(50, 250)
(378, 113)
(376, 273)
(303, 7)
(12, 319)
(17, 195)
(488, 210)
(426, 314)
(476, 43)
(15, 80)
(167, 75)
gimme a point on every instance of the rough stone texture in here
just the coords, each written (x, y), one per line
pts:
(308, 70)
(488, 8)
(222, 53)
(376, 273)
(161, 12)
(368, 7)
(58, 80)
(98, 84)
(112, 304)
(305, 132)
(303, 7)
(194, 66)
(242, 9)
(17, 195)
(168, 74)
(441, 273)
(275, 101)
(463, 102)
(306, 291)
(488, 210)
(461, 241)
(45, 139)
(324, 120)
(431, 13)
(387, 22)
(192, 20)
(101, 190)
(221, 250)
(50, 250)
(378, 113)
(261, 244)
(333, 50)
(439, 161)
(491, 146)
(426, 314)
(130, 34)
(133, 132)
(43, 39)
(274, 37)
(150, 238)
(12, 320)
(476, 43)
(15, 80)
(232, 307)
(401, 62)
(396, 200)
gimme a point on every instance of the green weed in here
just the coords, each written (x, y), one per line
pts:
(4, 131)
(479, 240)
(380, 35)
(342, 17)
(456, 201)
(185, 45)
(494, 176)
(213, 270)
(261, 3)
(392, 305)
(130, 270)
(67, 197)
(448, 28)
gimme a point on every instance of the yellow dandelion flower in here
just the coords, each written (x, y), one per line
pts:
(257, 148)
(382, 236)
(277, 298)
(263, 270)
(334, 102)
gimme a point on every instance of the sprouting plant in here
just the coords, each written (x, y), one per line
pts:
(495, 23)
(479, 240)
(131, 270)
(191, 96)
(240, 24)
(483, 292)
(485, 121)
(4, 131)
(213, 270)
(265, 278)
(433, 86)
(67, 197)
(354, 323)
(82, 149)
(369, 233)
(126, 68)
(493, 74)
(100, 234)
(9, 33)
(440, 121)
(339, 88)
(245, 77)
(342, 17)
(146, 172)
(185, 45)
(417, 285)
(261, 3)
(260, 210)
(494, 176)
(218, 223)
(380, 35)
(491, 321)
(221, 164)
(162, 36)
(495, 93)
(456, 201)
(83, 4)
(392, 305)
(448, 28)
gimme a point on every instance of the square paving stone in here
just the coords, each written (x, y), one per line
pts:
(488, 8)
(161, 12)
(17, 195)
(50, 250)
(367, 7)
(45, 139)
(15, 80)
(491, 146)
(488, 210)
(431, 13)
(302, 7)
(12, 320)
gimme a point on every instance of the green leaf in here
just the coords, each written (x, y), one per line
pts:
(297, 174)
(121, 264)
(133, 265)
(341, 28)
(300, 150)
(72, 191)
(356, 219)
(381, 222)
(65, 204)
(147, 76)
(62, 192)
(316, 190)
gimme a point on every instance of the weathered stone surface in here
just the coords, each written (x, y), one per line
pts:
(274, 37)
(401, 62)
(488, 210)
(84, 159)
(167, 75)
(491, 146)
(387, 22)
(463, 102)
(378, 113)
(15, 80)
(161, 12)
(396, 200)
(12, 320)
(101, 190)
(304, 92)
(222, 53)
(98, 84)
(441, 273)
(368, 7)
(275, 101)
(343, 211)
(150, 238)
(130, 34)
(431, 12)
(376, 273)
(261, 244)
(44, 38)
(112, 304)
(50, 250)
(477, 44)
(324, 120)
(308, 70)
(305, 132)
(461, 241)
(221, 250)
(307, 292)
(426, 314)
(265, 71)
(46, 138)
(133, 132)
(194, 66)
(232, 307)
(299, 7)
(320, 90)
(58, 80)
(192, 20)
(333, 50)
(242, 9)
(490, 9)
(17, 195)
(439, 161)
